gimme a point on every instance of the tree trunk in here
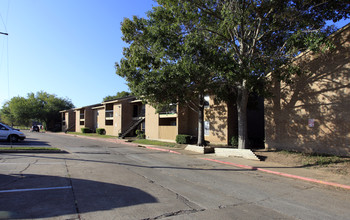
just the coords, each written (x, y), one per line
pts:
(201, 141)
(242, 101)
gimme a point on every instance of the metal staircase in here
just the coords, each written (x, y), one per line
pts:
(131, 127)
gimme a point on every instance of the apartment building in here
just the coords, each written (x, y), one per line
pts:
(85, 117)
(121, 117)
(312, 114)
(219, 122)
(68, 120)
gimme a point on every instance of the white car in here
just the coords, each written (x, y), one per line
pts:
(10, 134)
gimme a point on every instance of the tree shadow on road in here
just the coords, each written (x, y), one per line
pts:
(28, 142)
(63, 196)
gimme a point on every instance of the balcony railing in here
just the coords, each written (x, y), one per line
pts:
(170, 110)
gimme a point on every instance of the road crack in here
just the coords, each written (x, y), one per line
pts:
(73, 192)
(177, 213)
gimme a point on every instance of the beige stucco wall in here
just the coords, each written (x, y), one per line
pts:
(151, 122)
(122, 117)
(69, 120)
(187, 123)
(167, 132)
(100, 118)
(217, 114)
(89, 118)
(313, 113)
(77, 120)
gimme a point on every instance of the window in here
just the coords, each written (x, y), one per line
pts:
(109, 122)
(206, 128)
(206, 101)
(82, 114)
(135, 112)
(82, 123)
(109, 113)
(167, 122)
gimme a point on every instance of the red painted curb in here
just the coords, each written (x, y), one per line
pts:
(281, 174)
(160, 149)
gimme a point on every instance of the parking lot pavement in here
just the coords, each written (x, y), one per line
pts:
(35, 188)
(32, 140)
(104, 180)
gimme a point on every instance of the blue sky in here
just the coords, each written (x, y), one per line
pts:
(64, 47)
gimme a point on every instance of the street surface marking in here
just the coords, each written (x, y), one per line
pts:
(35, 189)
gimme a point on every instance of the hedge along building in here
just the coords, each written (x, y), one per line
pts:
(120, 117)
(219, 123)
(68, 120)
(312, 114)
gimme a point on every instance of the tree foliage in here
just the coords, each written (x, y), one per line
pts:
(41, 107)
(121, 94)
(259, 37)
(232, 44)
(168, 63)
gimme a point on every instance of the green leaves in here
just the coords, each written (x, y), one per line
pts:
(41, 107)
(166, 62)
(121, 94)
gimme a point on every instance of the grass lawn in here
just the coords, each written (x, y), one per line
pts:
(150, 142)
(92, 135)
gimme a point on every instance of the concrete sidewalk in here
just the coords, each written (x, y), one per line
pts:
(299, 173)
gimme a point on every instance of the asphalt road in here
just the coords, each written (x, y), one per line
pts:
(101, 180)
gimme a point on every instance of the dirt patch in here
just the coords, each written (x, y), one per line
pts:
(332, 164)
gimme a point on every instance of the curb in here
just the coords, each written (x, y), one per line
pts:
(159, 149)
(281, 174)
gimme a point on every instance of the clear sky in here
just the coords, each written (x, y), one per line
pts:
(64, 47)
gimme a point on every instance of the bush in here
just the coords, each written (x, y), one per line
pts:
(234, 141)
(140, 134)
(183, 139)
(86, 130)
(101, 131)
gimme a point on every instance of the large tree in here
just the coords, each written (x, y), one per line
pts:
(167, 63)
(41, 107)
(259, 37)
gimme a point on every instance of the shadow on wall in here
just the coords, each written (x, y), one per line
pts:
(90, 196)
(224, 123)
(312, 114)
(217, 115)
